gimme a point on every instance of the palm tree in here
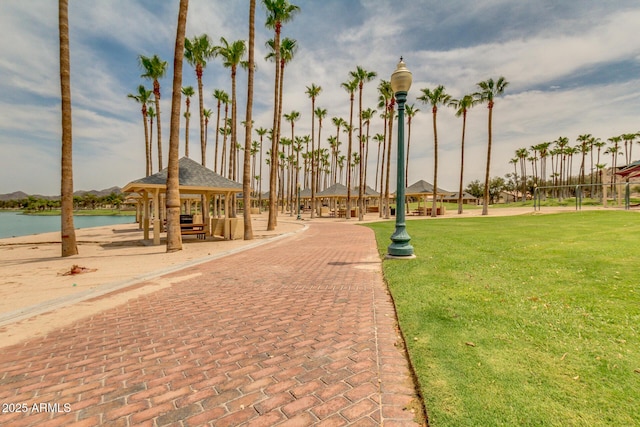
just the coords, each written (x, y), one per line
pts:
(388, 101)
(278, 13)
(561, 143)
(313, 91)
(462, 106)
(206, 113)
(614, 150)
(154, 69)
(584, 149)
(628, 145)
(248, 148)
(143, 98)
(232, 54)
(197, 51)
(350, 86)
(222, 98)
(361, 76)
(261, 133)
(521, 155)
(174, 237)
(188, 92)
(410, 111)
(379, 138)
(67, 230)
(320, 113)
(367, 115)
(435, 97)
(489, 90)
(151, 113)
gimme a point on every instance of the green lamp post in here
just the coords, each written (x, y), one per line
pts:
(400, 247)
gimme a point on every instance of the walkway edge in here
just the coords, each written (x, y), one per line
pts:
(57, 303)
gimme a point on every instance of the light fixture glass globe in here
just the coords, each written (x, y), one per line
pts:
(401, 78)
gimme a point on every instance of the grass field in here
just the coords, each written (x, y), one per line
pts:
(524, 320)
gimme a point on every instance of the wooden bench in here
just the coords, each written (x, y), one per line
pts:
(193, 229)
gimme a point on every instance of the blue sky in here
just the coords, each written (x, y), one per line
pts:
(573, 68)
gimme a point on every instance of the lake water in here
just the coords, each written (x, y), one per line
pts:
(13, 224)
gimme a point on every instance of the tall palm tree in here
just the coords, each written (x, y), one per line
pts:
(151, 113)
(143, 98)
(561, 143)
(379, 138)
(261, 133)
(521, 155)
(221, 97)
(67, 230)
(435, 97)
(232, 55)
(361, 76)
(174, 237)
(246, 175)
(462, 107)
(320, 113)
(367, 115)
(197, 51)
(388, 101)
(312, 92)
(614, 150)
(410, 111)
(628, 145)
(154, 69)
(278, 13)
(188, 92)
(584, 149)
(350, 86)
(489, 90)
(206, 113)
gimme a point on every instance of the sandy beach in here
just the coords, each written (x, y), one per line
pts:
(37, 293)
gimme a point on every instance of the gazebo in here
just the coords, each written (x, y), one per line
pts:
(421, 190)
(338, 192)
(194, 179)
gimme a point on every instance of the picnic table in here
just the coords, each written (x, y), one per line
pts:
(193, 228)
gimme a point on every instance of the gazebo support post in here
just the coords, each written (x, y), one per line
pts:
(145, 214)
(156, 217)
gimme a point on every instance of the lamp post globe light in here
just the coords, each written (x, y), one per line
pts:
(400, 247)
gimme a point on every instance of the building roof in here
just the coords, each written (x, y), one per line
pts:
(193, 177)
(421, 187)
(631, 170)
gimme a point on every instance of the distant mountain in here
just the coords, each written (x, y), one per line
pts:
(19, 195)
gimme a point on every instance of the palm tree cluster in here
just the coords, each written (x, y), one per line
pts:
(581, 164)
(312, 162)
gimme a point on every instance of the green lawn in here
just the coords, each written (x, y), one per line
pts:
(524, 320)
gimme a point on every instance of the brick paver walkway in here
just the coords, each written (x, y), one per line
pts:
(294, 333)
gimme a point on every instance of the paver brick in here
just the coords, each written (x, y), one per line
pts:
(259, 338)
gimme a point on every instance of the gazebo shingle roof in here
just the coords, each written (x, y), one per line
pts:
(192, 175)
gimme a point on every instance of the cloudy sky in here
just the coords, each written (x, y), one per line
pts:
(573, 68)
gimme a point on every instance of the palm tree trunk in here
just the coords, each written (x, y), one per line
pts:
(464, 126)
(156, 94)
(147, 146)
(174, 238)
(273, 178)
(203, 139)
(215, 158)
(246, 176)
(386, 191)
(485, 202)
(434, 204)
(67, 230)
